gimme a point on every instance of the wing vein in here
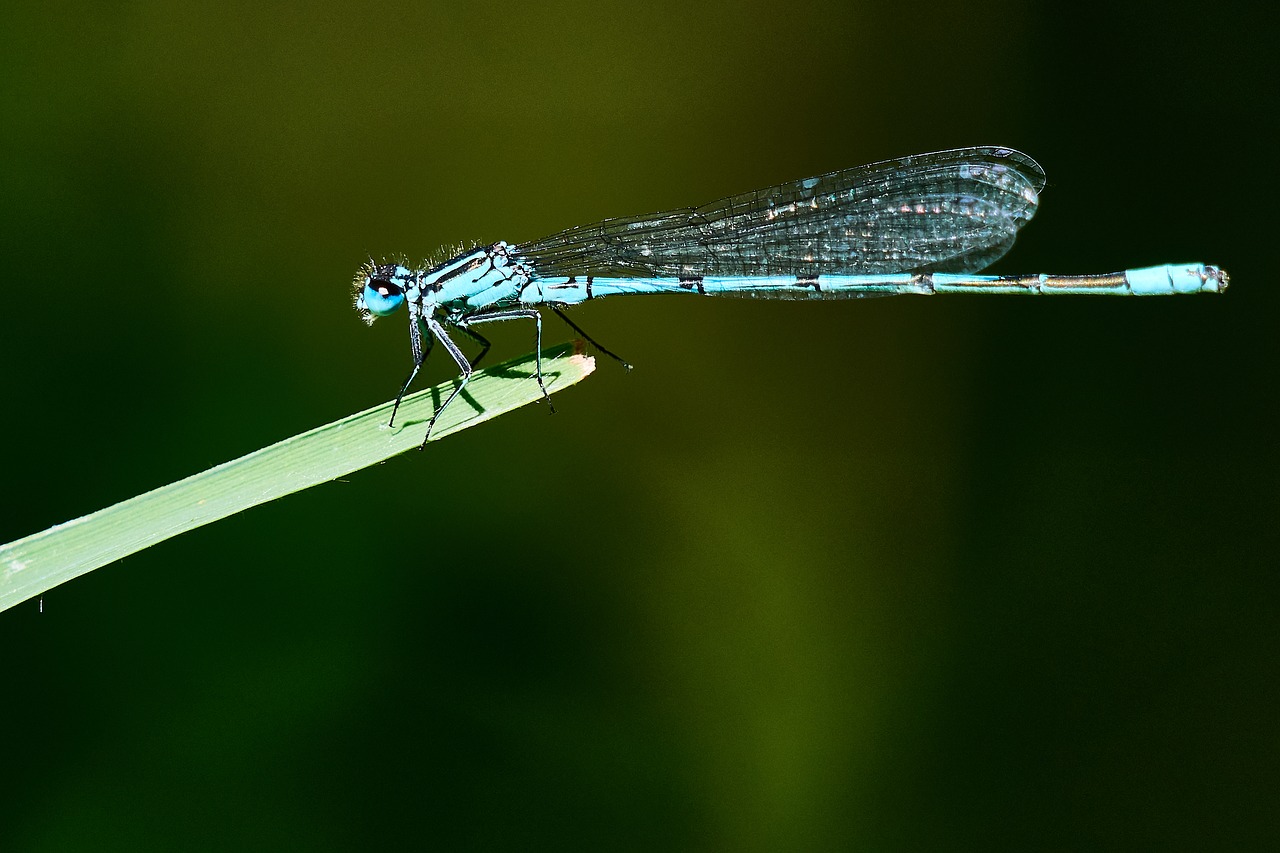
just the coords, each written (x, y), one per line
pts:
(948, 211)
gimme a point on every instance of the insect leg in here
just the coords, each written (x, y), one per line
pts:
(517, 314)
(588, 338)
(478, 338)
(420, 353)
(435, 330)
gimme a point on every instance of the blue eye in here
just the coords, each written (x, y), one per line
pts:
(382, 297)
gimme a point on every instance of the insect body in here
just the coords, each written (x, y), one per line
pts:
(923, 224)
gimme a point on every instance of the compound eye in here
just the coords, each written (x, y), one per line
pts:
(382, 297)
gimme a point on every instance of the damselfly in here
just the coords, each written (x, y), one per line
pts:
(922, 224)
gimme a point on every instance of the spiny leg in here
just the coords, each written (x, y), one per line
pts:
(437, 331)
(420, 353)
(589, 339)
(477, 338)
(518, 314)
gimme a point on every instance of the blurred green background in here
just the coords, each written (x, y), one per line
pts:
(967, 574)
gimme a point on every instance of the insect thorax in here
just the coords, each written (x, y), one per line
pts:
(481, 279)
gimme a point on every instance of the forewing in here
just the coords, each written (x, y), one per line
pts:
(952, 211)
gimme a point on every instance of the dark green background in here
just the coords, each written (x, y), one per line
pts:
(949, 574)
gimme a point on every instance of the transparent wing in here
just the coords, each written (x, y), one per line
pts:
(949, 211)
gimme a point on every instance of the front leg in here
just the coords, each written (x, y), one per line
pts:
(435, 330)
(420, 352)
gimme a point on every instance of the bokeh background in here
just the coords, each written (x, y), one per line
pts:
(968, 574)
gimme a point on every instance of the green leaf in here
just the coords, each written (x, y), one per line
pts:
(37, 563)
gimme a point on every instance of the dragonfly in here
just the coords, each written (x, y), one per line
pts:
(924, 224)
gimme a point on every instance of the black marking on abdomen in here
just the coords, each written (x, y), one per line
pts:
(809, 281)
(693, 283)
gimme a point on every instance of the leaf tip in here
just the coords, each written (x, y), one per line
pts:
(584, 362)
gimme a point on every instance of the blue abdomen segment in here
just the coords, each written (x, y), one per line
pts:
(1177, 278)
(1163, 280)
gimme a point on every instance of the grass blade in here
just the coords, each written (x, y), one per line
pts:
(34, 564)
